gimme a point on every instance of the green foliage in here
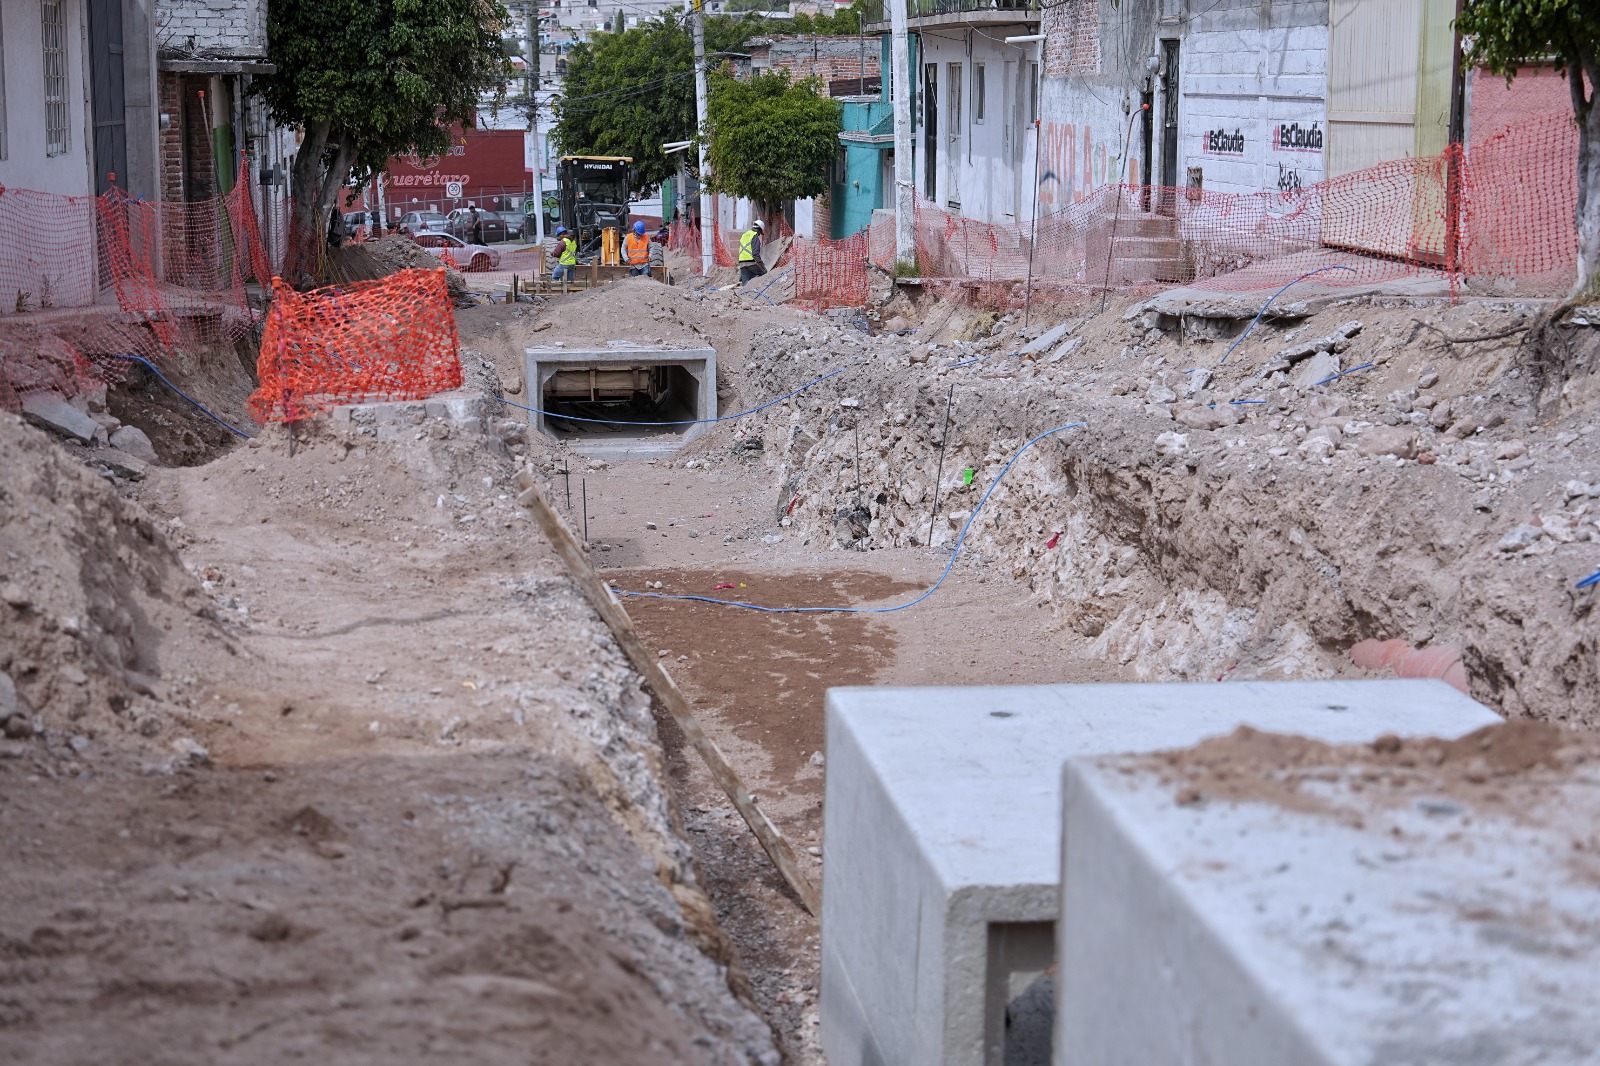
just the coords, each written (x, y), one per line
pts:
(382, 78)
(839, 24)
(1506, 35)
(629, 93)
(907, 270)
(771, 139)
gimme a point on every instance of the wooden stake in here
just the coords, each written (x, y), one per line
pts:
(609, 608)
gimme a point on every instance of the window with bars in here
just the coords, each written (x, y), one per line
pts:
(56, 130)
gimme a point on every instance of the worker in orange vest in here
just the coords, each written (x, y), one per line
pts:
(636, 251)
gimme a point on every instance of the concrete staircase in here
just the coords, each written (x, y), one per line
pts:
(1145, 248)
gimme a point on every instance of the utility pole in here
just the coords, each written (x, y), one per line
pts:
(701, 96)
(905, 192)
(533, 121)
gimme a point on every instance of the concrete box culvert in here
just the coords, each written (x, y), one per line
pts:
(942, 830)
(674, 390)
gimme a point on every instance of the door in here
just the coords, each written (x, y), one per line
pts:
(1170, 95)
(1389, 86)
(930, 133)
(1010, 130)
(110, 133)
(955, 152)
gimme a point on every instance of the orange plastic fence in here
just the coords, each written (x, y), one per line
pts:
(86, 282)
(393, 339)
(1495, 215)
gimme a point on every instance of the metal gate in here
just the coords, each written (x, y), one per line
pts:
(1390, 65)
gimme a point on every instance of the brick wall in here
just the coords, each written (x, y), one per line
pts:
(187, 169)
(809, 56)
(1072, 37)
(170, 149)
(212, 27)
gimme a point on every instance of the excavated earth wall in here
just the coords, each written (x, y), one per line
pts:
(1438, 495)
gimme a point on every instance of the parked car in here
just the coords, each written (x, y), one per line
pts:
(415, 222)
(473, 257)
(513, 221)
(460, 225)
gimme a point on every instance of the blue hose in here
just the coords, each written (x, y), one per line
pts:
(1268, 304)
(1342, 373)
(1592, 579)
(203, 408)
(956, 551)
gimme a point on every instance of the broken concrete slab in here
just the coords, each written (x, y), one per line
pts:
(1067, 349)
(1045, 341)
(1421, 920)
(50, 411)
(943, 833)
(1314, 371)
(121, 463)
(133, 441)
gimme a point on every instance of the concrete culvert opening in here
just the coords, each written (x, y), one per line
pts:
(624, 400)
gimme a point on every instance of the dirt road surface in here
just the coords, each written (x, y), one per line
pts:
(322, 756)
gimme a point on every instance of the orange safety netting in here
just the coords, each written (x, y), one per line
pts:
(87, 284)
(1495, 215)
(393, 339)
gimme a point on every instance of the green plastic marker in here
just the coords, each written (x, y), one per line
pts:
(966, 476)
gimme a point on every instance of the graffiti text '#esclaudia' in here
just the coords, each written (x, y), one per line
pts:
(1223, 141)
(1293, 137)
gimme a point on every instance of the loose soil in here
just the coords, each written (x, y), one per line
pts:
(324, 752)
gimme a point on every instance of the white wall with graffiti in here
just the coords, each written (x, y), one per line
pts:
(1235, 91)
(1096, 81)
(1253, 84)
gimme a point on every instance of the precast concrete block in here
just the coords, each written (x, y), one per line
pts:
(694, 392)
(943, 829)
(1410, 917)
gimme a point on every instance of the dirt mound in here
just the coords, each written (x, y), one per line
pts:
(637, 309)
(1249, 765)
(94, 597)
(385, 256)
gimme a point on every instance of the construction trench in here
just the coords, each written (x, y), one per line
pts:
(317, 748)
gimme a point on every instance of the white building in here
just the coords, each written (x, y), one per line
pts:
(68, 123)
(974, 101)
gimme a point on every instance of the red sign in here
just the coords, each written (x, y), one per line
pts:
(476, 158)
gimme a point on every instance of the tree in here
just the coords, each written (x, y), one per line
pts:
(846, 23)
(1506, 35)
(772, 139)
(629, 93)
(370, 79)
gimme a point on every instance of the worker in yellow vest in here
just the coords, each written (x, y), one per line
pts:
(750, 264)
(636, 251)
(566, 255)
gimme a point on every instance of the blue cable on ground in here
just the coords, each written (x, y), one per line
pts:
(1342, 373)
(1268, 304)
(685, 422)
(1592, 579)
(203, 408)
(954, 552)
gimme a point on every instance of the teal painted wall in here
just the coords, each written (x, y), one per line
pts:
(862, 191)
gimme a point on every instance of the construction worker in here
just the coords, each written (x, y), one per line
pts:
(750, 264)
(566, 255)
(636, 252)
